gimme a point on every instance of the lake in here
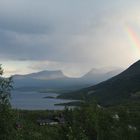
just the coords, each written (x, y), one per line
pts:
(36, 101)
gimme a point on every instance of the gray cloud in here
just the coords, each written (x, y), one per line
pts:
(88, 32)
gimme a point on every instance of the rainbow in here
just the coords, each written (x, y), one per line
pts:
(133, 37)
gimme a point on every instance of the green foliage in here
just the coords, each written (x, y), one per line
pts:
(31, 130)
(94, 122)
(87, 122)
(80, 123)
(6, 114)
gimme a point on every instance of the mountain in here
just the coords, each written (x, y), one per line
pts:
(43, 75)
(99, 75)
(47, 75)
(46, 80)
(125, 86)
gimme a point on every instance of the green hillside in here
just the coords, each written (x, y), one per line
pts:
(123, 87)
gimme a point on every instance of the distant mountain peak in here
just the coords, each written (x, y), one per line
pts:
(48, 75)
(100, 75)
(49, 72)
(93, 72)
(44, 75)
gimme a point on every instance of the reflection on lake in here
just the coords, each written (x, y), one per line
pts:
(36, 101)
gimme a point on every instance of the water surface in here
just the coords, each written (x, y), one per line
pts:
(36, 101)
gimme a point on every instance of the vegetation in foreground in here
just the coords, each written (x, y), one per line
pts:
(89, 121)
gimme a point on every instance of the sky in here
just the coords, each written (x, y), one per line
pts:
(69, 35)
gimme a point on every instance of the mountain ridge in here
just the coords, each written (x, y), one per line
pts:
(55, 80)
(124, 86)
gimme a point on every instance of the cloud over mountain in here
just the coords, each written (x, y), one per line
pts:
(83, 33)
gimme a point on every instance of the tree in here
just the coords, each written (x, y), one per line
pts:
(6, 114)
(5, 88)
